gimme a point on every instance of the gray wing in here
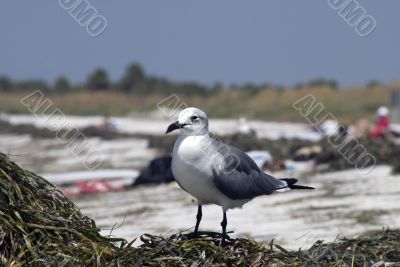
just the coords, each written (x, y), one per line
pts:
(245, 180)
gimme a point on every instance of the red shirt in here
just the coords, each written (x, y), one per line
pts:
(381, 126)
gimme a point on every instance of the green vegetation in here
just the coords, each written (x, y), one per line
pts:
(134, 80)
(266, 104)
(98, 80)
(139, 92)
(133, 77)
(39, 226)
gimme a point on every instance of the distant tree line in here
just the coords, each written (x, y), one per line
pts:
(136, 81)
(317, 83)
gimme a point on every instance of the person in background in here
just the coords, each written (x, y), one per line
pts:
(381, 127)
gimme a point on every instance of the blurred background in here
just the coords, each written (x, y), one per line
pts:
(118, 74)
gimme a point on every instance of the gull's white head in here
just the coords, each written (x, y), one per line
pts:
(191, 121)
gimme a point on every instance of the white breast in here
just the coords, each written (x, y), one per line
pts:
(192, 169)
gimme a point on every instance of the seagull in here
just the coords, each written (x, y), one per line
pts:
(217, 173)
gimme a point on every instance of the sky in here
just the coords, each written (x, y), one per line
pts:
(229, 41)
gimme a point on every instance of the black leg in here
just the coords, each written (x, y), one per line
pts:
(198, 219)
(223, 224)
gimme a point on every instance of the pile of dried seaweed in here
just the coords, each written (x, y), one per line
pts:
(39, 226)
(381, 248)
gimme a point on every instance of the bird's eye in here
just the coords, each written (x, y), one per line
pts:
(194, 118)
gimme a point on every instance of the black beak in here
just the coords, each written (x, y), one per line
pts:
(174, 126)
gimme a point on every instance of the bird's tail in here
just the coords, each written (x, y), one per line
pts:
(291, 183)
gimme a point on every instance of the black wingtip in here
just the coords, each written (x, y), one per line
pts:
(301, 187)
(292, 184)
